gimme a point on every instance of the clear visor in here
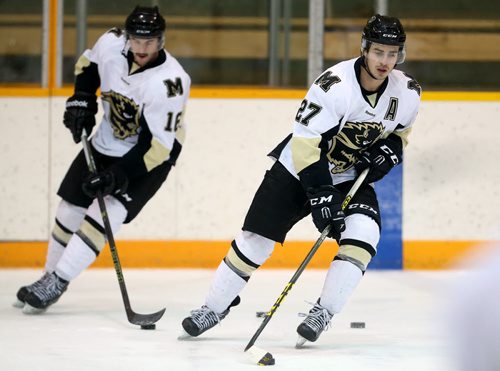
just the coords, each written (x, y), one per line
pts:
(138, 42)
(381, 52)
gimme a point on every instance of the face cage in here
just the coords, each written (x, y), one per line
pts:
(365, 45)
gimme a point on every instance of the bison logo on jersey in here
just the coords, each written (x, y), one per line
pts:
(123, 114)
(352, 138)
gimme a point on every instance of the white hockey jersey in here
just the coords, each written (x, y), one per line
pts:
(150, 102)
(337, 121)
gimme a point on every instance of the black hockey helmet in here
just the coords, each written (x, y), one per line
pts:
(145, 22)
(385, 30)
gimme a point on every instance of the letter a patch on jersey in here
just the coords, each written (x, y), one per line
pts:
(392, 110)
(174, 88)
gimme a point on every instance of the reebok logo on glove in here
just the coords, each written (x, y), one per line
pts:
(80, 114)
(77, 103)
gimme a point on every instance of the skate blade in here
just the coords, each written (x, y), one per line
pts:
(18, 304)
(300, 342)
(28, 309)
(185, 336)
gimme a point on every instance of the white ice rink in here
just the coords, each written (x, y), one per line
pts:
(88, 330)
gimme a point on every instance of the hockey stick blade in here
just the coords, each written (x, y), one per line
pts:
(144, 319)
(306, 261)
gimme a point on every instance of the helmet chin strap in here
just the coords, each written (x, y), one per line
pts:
(365, 66)
(126, 47)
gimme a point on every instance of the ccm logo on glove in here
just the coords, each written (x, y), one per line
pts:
(326, 209)
(320, 200)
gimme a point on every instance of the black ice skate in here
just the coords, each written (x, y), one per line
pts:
(25, 290)
(315, 323)
(204, 319)
(45, 294)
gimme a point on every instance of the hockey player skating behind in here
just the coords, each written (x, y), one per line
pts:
(144, 91)
(356, 115)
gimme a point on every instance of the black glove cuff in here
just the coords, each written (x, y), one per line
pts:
(82, 100)
(395, 142)
(326, 188)
(315, 175)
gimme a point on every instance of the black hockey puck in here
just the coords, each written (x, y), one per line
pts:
(267, 360)
(357, 325)
(260, 314)
(148, 327)
(261, 356)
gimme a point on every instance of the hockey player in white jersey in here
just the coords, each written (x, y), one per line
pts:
(356, 115)
(144, 91)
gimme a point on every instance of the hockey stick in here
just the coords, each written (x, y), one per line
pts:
(306, 261)
(133, 317)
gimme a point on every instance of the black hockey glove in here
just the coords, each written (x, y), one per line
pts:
(80, 113)
(326, 208)
(110, 181)
(380, 158)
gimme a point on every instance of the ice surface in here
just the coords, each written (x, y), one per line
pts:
(88, 330)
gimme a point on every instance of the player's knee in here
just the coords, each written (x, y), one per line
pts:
(247, 253)
(358, 244)
(117, 213)
(69, 216)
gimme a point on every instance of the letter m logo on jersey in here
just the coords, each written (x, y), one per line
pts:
(174, 88)
(326, 80)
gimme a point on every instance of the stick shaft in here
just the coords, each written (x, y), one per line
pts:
(134, 318)
(107, 225)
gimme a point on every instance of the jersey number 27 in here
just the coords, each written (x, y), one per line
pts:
(304, 117)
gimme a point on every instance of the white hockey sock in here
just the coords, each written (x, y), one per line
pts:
(54, 253)
(226, 285)
(78, 255)
(68, 219)
(341, 280)
(76, 258)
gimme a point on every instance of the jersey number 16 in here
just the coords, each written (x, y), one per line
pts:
(173, 124)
